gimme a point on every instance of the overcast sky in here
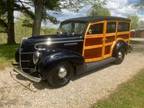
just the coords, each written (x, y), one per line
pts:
(120, 8)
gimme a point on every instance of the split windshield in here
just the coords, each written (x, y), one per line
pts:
(72, 28)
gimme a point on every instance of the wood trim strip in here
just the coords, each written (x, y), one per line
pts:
(110, 34)
(96, 22)
(122, 33)
(93, 59)
(107, 44)
(95, 36)
(93, 46)
(85, 39)
(107, 55)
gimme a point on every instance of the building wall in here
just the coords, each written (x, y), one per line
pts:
(138, 33)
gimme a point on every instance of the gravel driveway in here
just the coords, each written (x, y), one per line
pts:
(80, 93)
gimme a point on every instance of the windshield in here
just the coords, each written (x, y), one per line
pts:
(72, 28)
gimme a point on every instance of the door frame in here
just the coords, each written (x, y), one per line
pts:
(95, 46)
(107, 35)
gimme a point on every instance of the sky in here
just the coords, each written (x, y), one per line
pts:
(121, 8)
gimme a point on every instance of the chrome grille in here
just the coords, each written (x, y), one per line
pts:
(26, 60)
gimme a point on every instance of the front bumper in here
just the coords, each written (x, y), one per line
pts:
(30, 77)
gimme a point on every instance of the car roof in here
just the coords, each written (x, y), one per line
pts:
(95, 19)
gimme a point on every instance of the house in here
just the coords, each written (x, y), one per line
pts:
(139, 33)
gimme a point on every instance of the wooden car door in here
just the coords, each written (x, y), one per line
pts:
(93, 49)
(110, 37)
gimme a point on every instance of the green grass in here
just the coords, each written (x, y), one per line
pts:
(7, 53)
(128, 95)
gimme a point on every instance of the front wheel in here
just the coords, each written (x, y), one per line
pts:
(119, 55)
(60, 75)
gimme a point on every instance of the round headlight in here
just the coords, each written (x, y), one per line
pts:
(36, 56)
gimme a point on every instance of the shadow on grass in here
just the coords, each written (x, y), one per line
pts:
(7, 52)
(127, 95)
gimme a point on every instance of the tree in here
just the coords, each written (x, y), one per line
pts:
(134, 21)
(40, 12)
(140, 4)
(10, 17)
(98, 9)
(7, 19)
(141, 25)
(7, 8)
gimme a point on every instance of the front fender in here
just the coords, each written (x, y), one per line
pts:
(49, 60)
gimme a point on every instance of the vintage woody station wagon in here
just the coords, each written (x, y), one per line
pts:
(81, 44)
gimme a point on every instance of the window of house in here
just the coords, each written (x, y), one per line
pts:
(96, 29)
(111, 27)
(122, 26)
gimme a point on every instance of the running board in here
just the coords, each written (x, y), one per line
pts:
(98, 64)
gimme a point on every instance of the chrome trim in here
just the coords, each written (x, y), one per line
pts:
(53, 42)
(62, 72)
(68, 44)
(27, 68)
(25, 60)
(27, 52)
(20, 69)
(20, 53)
(64, 38)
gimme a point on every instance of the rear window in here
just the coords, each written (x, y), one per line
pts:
(111, 27)
(122, 26)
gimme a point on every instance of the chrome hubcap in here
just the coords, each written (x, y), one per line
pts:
(62, 72)
(120, 55)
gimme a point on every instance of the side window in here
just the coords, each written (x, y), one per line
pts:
(79, 28)
(111, 27)
(96, 29)
(122, 26)
(66, 28)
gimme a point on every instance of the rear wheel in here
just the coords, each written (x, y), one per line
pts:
(60, 75)
(119, 55)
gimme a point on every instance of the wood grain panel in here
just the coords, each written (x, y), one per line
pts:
(93, 53)
(93, 41)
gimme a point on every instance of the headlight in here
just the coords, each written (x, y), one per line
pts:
(36, 56)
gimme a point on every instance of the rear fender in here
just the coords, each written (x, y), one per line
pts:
(120, 44)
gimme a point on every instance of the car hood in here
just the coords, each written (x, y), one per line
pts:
(54, 38)
(51, 40)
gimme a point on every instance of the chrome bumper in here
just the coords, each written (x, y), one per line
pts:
(30, 77)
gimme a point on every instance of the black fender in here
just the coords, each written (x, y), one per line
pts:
(120, 44)
(47, 61)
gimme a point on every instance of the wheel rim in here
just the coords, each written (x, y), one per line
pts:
(60, 75)
(120, 55)
(62, 72)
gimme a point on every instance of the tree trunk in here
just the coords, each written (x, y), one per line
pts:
(10, 29)
(39, 6)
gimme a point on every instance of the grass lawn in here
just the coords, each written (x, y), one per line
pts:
(128, 95)
(7, 53)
